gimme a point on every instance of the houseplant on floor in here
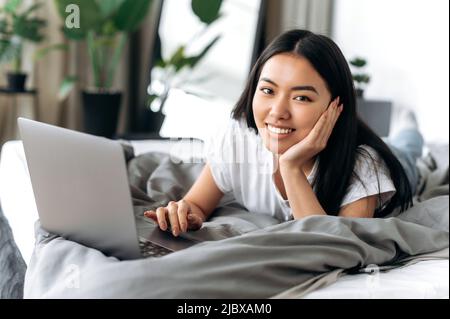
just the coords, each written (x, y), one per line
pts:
(360, 78)
(105, 26)
(17, 27)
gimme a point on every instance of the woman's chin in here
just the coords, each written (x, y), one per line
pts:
(276, 149)
(279, 145)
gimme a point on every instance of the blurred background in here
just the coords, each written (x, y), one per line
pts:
(175, 68)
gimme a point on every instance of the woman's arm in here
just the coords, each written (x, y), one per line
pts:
(190, 212)
(204, 195)
(304, 202)
(363, 208)
(302, 199)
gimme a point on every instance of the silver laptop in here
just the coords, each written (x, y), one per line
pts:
(82, 193)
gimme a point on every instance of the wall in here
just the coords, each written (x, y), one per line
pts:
(407, 45)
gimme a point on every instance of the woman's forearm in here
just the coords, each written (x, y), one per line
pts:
(302, 199)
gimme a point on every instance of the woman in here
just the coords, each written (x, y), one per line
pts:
(298, 116)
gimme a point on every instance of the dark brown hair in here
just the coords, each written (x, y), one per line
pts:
(333, 176)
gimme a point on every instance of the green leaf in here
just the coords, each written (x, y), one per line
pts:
(361, 78)
(107, 8)
(358, 62)
(206, 10)
(178, 58)
(108, 29)
(4, 27)
(192, 61)
(44, 51)
(90, 17)
(12, 5)
(29, 29)
(74, 34)
(161, 63)
(131, 14)
(66, 86)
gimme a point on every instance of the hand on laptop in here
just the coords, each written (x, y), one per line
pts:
(182, 216)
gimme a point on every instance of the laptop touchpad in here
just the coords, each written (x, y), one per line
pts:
(154, 234)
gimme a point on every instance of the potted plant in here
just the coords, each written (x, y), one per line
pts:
(360, 78)
(173, 72)
(16, 28)
(105, 26)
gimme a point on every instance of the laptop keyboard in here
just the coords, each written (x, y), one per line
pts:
(149, 249)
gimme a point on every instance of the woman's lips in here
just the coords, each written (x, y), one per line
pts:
(279, 133)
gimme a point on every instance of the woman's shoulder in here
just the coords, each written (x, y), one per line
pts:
(371, 177)
(231, 135)
(364, 152)
(368, 160)
(364, 148)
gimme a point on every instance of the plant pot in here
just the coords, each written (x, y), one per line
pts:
(16, 81)
(157, 120)
(359, 93)
(101, 112)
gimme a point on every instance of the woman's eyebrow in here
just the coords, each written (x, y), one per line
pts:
(295, 88)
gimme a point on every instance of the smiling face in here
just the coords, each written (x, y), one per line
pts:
(290, 97)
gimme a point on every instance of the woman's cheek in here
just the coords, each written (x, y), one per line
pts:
(259, 112)
(301, 134)
(304, 125)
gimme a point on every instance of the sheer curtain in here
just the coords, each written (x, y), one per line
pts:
(313, 15)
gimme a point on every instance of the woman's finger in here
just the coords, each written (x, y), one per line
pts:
(161, 213)
(318, 133)
(195, 222)
(151, 214)
(332, 111)
(183, 210)
(332, 122)
(319, 126)
(173, 218)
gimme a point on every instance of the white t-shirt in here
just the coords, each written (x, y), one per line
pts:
(243, 166)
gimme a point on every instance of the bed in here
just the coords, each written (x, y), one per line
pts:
(423, 275)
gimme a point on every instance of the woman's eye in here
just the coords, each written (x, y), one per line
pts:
(302, 98)
(266, 91)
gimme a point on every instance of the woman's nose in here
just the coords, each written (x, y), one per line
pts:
(279, 109)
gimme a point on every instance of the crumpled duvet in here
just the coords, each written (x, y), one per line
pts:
(243, 254)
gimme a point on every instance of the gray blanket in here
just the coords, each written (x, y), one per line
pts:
(243, 254)
(12, 265)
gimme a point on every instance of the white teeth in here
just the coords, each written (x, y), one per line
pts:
(279, 130)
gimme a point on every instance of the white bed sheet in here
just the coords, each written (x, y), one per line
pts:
(16, 196)
(426, 279)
